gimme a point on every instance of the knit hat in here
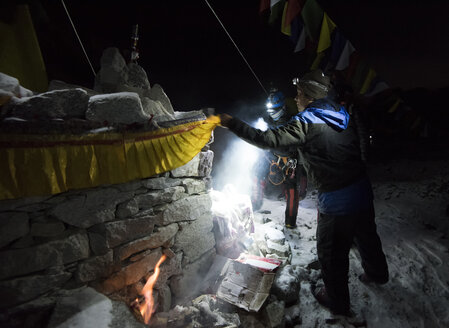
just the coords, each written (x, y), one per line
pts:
(314, 84)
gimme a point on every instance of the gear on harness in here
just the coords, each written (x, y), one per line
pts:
(281, 169)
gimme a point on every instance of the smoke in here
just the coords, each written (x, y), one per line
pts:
(237, 161)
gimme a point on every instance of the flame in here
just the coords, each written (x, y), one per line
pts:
(147, 307)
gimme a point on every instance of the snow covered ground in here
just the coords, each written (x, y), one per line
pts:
(411, 202)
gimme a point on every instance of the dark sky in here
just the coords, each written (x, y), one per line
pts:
(184, 49)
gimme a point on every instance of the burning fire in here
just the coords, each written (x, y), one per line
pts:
(147, 307)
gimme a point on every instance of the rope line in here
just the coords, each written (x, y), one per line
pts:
(235, 45)
(79, 40)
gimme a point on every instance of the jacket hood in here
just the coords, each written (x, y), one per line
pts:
(325, 111)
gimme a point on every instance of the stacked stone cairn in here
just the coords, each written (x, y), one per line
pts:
(109, 237)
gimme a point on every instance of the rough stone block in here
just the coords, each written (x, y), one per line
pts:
(131, 274)
(95, 267)
(193, 186)
(111, 234)
(161, 183)
(120, 107)
(71, 248)
(23, 289)
(156, 239)
(13, 225)
(47, 229)
(153, 198)
(186, 209)
(205, 164)
(69, 103)
(190, 169)
(95, 206)
(127, 209)
(195, 238)
(157, 93)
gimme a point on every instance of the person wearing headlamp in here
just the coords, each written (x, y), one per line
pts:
(328, 145)
(280, 169)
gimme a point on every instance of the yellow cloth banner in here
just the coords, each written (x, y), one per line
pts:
(37, 165)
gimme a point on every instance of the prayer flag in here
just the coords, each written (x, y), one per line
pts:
(312, 15)
(301, 44)
(368, 79)
(327, 27)
(343, 61)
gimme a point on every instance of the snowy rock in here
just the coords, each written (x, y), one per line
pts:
(210, 314)
(121, 107)
(113, 71)
(275, 314)
(88, 308)
(155, 109)
(190, 169)
(286, 285)
(193, 114)
(68, 103)
(137, 77)
(9, 83)
(61, 85)
(275, 235)
(156, 93)
(279, 250)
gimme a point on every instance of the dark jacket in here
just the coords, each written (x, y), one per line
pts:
(326, 139)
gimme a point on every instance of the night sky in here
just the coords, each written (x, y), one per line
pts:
(184, 49)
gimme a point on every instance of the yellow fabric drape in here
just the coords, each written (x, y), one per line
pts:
(33, 165)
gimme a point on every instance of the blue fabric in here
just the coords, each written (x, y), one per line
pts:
(324, 113)
(349, 200)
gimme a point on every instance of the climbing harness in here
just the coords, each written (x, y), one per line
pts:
(281, 169)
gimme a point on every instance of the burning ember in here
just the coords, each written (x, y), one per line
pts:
(146, 308)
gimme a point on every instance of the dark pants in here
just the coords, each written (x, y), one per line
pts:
(295, 189)
(335, 235)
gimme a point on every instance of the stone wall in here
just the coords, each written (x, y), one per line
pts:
(109, 238)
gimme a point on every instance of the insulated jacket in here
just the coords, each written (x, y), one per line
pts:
(326, 139)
